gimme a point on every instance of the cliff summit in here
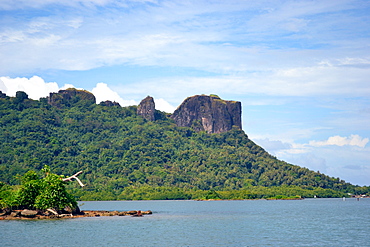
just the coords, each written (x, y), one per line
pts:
(146, 109)
(70, 97)
(209, 113)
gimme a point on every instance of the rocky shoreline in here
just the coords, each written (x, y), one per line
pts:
(27, 214)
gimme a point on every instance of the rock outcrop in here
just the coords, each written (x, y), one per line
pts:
(208, 113)
(70, 97)
(44, 214)
(2, 95)
(109, 103)
(29, 213)
(146, 109)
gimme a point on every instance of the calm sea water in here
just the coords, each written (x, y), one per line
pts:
(309, 222)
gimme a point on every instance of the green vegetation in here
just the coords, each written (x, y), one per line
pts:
(215, 96)
(123, 156)
(37, 193)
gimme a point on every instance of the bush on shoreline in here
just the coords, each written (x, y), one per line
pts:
(43, 193)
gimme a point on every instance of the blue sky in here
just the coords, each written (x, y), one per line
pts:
(300, 68)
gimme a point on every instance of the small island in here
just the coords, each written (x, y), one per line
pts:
(47, 198)
(27, 214)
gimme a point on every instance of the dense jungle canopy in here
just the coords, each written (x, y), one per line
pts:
(124, 156)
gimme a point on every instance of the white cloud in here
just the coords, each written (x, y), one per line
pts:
(163, 105)
(193, 35)
(66, 86)
(35, 86)
(347, 162)
(343, 157)
(102, 93)
(259, 59)
(290, 147)
(305, 49)
(313, 81)
(353, 140)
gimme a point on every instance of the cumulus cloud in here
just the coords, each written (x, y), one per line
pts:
(66, 86)
(193, 35)
(353, 140)
(163, 105)
(338, 156)
(330, 147)
(35, 86)
(102, 93)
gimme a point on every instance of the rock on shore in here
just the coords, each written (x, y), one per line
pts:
(38, 214)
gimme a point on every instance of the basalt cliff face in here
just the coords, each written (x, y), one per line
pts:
(146, 109)
(208, 113)
(70, 97)
(2, 95)
(200, 112)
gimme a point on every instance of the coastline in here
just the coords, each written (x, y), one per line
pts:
(40, 215)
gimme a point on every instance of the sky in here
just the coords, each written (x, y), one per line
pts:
(300, 68)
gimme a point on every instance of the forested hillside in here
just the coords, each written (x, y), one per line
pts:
(124, 156)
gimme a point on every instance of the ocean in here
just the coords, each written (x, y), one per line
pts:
(308, 222)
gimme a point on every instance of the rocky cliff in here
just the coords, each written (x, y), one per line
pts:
(70, 97)
(146, 109)
(109, 103)
(209, 113)
(2, 95)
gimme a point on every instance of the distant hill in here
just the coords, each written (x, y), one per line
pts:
(138, 152)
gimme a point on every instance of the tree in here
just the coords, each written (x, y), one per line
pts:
(48, 192)
(112, 142)
(30, 188)
(7, 196)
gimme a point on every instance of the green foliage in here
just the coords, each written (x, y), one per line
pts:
(36, 193)
(153, 193)
(215, 96)
(29, 190)
(7, 196)
(146, 192)
(53, 194)
(123, 156)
